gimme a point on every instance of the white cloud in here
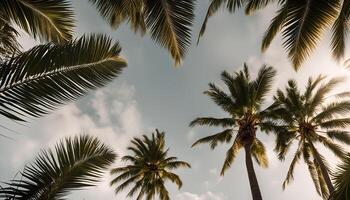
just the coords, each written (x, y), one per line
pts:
(114, 126)
(206, 196)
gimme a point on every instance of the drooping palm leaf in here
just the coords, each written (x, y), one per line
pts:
(340, 30)
(169, 22)
(75, 163)
(49, 20)
(39, 80)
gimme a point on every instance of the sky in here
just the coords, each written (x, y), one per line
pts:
(152, 93)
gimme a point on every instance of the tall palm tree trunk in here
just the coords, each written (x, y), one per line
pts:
(325, 173)
(253, 181)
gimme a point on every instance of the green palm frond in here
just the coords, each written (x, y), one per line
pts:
(332, 110)
(117, 12)
(263, 83)
(290, 173)
(213, 8)
(307, 155)
(46, 76)
(9, 45)
(275, 26)
(323, 187)
(74, 164)
(340, 136)
(341, 179)
(340, 30)
(335, 148)
(336, 123)
(254, 5)
(231, 155)
(148, 168)
(221, 98)
(221, 137)
(169, 22)
(321, 93)
(304, 25)
(210, 121)
(259, 153)
(50, 20)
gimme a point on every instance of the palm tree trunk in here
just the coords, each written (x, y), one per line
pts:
(254, 185)
(325, 173)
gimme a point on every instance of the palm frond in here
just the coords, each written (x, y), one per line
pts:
(224, 136)
(254, 5)
(290, 173)
(213, 8)
(117, 12)
(259, 153)
(340, 30)
(332, 110)
(340, 136)
(51, 20)
(263, 83)
(74, 164)
(275, 26)
(335, 123)
(341, 179)
(170, 24)
(305, 23)
(39, 80)
(230, 156)
(9, 45)
(210, 121)
(221, 98)
(335, 148)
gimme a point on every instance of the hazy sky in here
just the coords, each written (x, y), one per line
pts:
(151, 93)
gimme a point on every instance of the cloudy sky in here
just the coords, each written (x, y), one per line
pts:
(151, 93)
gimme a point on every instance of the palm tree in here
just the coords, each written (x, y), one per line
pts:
(75, 163)
(342, 181)
(309, 118)
(149, 168)
(243, 104)
(168, 21)
(302, 24)
(37, 81)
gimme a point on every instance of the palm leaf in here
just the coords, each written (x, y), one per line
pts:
(210, 121)
(224, 136)
(340, 136)
(340, 30)
(213, 8)
(305, 23)
(342, 181)
(170, 24)
(51, 20)
(230, 156)
(74, 164)
(290, 173)
(9, 45)
(263, 83)
(47, 76)
(259, 153)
